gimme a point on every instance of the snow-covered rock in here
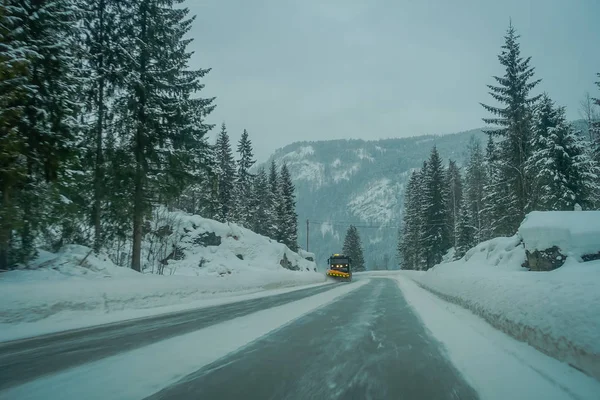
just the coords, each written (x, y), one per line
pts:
(557, 312)
(575, 233)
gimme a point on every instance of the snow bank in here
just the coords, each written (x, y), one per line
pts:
(201, 258)
(557, 312)
(575, 233)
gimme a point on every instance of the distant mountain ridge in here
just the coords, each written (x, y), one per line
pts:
(339, 182)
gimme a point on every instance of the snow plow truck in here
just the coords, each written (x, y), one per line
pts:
(340, 267)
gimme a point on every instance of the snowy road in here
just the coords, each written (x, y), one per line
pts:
(375, 338)
(25, 360)
(367, 345)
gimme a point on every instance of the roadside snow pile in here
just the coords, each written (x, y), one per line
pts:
(204, 247)
(202, 257)
(557, 312)
(574, 233)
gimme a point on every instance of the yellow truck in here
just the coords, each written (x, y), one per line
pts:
(340, 267)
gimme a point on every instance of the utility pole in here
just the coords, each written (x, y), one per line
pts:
(307, 231)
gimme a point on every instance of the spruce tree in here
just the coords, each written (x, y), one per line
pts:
(259, 208)
(564, 173)
(409, 246)
(287, 218)
(103, 62)
(272, 201)
(38, 87)
(161, 117)
(244, 183)
(226, 175)
(498, 197)
(475, 183)
(513, 127)
(435, 236)
(595, 130)
(454, 188)
(353, 249)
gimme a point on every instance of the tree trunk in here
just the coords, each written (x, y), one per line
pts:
(4, 231)
(138, 198)
(99, 168)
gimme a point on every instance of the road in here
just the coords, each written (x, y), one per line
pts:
(368, 344)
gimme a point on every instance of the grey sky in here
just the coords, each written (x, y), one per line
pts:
(290, 70)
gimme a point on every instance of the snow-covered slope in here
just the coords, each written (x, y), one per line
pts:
(200, 258)
(362, 182)
(557, 312)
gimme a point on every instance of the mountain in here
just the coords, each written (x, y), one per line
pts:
(343, 182)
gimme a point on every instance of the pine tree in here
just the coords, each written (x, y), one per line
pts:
(435, 238)
(161, 118)
(498, 197)
(454, 196)
(513, 121)
(475, 183)
(353, 249)
(564, 173)
(595, 130)
(287, 229)
(410, 233)
(260, 220)
(38, 89)
(226, 175)
(244, 183)
(466, 233)
(272, 201)
(103, 62)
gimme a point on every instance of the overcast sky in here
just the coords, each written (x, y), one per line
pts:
(289, 70)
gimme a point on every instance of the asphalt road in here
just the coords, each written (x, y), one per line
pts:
(366, 345)
(25, 360)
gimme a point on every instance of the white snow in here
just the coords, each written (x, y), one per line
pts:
(75, 284)
(378, 203)
(364, 155)
(344, 174)
(557, 312)
(497, 366)
(161, 364)
(575, 233)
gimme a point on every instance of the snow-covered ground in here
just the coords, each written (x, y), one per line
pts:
(497, 366)
(140, 373)
(557, 312)
(75, 288)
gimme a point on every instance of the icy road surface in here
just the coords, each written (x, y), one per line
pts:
(370, 339)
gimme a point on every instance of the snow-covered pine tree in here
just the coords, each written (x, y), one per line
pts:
(259, 208)
(287, 217)
(595, 129)
(454, 196)
(564, 173)
(353, 249)
(226, 175)
(546, 120)
(244, 182)
(436, 238)
(272, 201)
(498, 196)
(161, 116)
(513, 119)
(102, 62)
(475, 183)
(423, 179)
(38, 86)
(465, 233)
(410, 233)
